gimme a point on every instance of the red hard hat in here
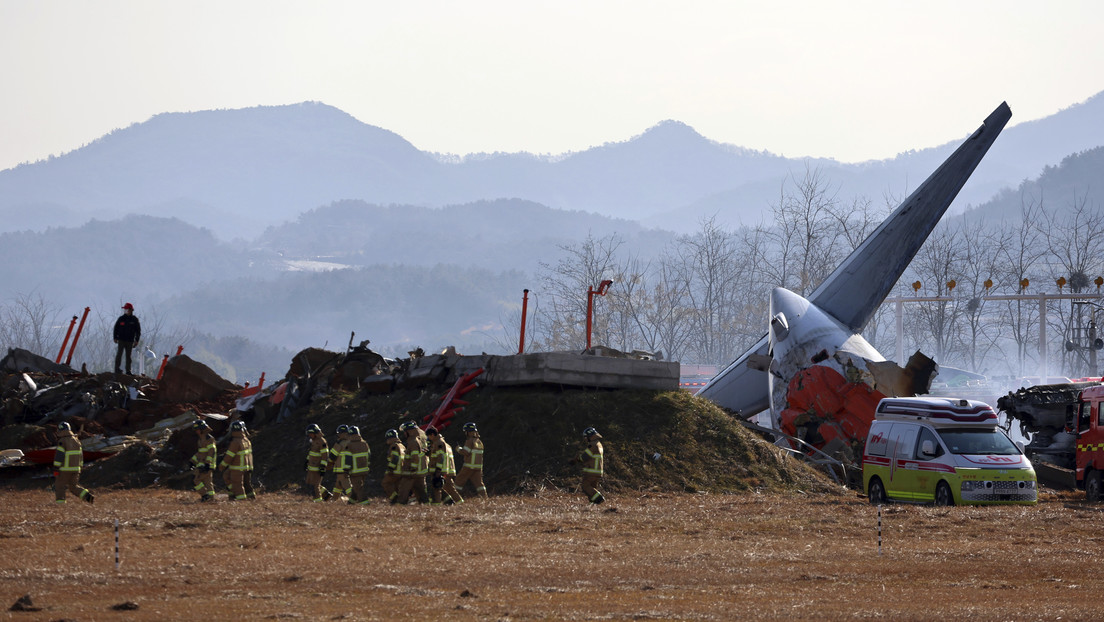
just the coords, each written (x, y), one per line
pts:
(128, 306)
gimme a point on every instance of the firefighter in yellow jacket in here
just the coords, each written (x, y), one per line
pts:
(593, 468)
(237, 464)
(318, 458)
(415, 464)
(472, 452)
(442, 468)
(359, 457)
(393, 475)
(338, 457)
(68, 462)
(204, 461)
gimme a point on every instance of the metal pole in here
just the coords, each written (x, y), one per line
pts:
(65, 341)
(900, 332)
(524, 309)
(590, 312)
(1092, 344)
(80, 327)
(1042, 340)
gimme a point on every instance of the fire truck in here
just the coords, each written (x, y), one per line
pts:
(1065, 423)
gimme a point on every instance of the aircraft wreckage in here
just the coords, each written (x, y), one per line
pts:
(815, 373)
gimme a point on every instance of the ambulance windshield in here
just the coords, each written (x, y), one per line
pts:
(974, 441)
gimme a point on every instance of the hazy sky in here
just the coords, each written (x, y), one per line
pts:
(849, 80)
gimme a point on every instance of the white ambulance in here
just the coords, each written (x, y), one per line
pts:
(943, 450)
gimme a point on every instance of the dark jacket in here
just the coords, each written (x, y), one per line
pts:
(127, 329)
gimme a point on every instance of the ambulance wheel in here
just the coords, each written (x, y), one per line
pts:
(943, 494)
(1093, 485)
(876, 491)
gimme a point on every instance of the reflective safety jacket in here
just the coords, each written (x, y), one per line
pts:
(318, 457)
(239, 455)
(592, 458)
(359, 455)
(416, 461)
(473, 453)
(395, 456)
(336, 454)
(205, 451)
(68, 456)
(441, 460)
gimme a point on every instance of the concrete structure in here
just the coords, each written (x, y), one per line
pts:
(552, 368)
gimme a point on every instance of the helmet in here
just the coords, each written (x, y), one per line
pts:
(237, 426)
(470, 427)
(591, 432)
(342, 429)
(406, 426)
(432, 431)
(352, 429)
(314, 429)
(391, 434)
(64, 425)
(200, 424)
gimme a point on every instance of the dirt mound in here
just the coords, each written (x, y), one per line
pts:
(654, 440)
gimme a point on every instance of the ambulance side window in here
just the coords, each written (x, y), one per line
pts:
(905, 437)
(879, 441)
(937, 449)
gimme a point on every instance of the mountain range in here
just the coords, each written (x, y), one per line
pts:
(238, 172)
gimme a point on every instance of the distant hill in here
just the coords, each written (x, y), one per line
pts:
(489, 234)
(238, 172)
(1078, 177)
(134, 258)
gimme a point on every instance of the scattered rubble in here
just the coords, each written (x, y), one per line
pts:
(531, 409)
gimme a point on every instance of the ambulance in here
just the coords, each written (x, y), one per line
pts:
(943, 450)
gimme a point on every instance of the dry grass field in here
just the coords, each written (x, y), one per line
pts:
(548, 556)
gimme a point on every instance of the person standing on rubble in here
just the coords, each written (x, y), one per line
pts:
(472, 471)
(338, 455)
(415, 464)
(359, 458)
(237, 464)
(318, 458)
(442, 468)
(393, 475)
(592, 459)
(68, 462)
(128, 330)
(203, 461)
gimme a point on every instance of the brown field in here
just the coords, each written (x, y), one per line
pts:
(548, 556)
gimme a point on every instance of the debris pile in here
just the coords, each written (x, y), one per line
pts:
(662, 440)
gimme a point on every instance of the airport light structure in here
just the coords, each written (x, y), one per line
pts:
(591, 292)
(1042, 298)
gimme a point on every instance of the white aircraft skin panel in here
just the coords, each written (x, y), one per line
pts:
(811, 332)
(853, 291)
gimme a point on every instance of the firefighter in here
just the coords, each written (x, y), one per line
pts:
(393, 475)
(337, 464)
(472, 471)
(442, 468)
(237, 464)
(415, 463)
(318, 458)
(68, 461)
(592, 461)
(204, 461)
(359, 457)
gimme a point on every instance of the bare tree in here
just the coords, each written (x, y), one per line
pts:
(565, 286)
(31, 322)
